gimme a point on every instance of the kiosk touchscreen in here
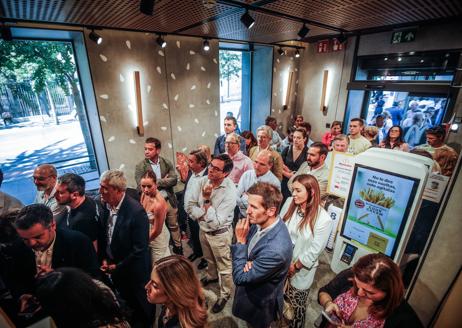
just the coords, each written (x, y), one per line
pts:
(382, 202)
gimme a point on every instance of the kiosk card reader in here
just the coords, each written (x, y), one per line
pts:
(379, 212)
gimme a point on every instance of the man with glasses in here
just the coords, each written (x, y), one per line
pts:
(241, 163)
(45, 179)
(261, 173)
(212, 203)
(230, 125)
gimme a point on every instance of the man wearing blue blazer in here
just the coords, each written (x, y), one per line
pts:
(261, 258)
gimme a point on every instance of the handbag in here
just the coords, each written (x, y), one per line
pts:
(287, 310)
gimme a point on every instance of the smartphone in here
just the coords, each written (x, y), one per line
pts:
(332, 318)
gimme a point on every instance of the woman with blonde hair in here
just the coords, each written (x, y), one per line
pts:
(156, 208)
(175, 285)
(309, 227)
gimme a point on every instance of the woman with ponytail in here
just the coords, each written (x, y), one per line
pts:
(309, 227)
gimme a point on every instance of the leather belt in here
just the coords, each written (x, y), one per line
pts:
(217, 232)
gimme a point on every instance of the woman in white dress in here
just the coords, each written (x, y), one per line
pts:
(309, 227)
(156, 208)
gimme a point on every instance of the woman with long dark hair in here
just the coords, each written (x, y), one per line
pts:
(371, 294)
(175, 285)
(250, 140)
(395, 139)
(309, 227)
(156, 208)
(73, 299)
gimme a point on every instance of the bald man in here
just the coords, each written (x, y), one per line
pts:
(45, 179)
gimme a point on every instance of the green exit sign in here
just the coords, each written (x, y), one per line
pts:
(403, 36)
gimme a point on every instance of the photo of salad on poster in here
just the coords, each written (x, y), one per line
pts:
(378, 208)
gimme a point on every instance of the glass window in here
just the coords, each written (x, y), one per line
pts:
(44, 116)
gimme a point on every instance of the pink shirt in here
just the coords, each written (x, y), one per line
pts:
(347, 304)
(241, 163)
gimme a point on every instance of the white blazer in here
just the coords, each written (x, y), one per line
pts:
(307, 246)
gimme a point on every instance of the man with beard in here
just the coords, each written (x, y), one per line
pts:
(44, 177)
(315, 165)
(82, 214)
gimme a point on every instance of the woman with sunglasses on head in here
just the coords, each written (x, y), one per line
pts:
(370, 294)
(394, 139)
(309, 227)
(155, 206)
(174, 284)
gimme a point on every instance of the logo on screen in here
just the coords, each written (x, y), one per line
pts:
(359, 203)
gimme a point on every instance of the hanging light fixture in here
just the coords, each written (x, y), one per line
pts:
(247, 20)
(303, 31)
(161, 42)
(95, 37)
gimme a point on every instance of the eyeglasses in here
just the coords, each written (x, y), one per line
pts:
(39, 178)
(214, 168)
(230, 143)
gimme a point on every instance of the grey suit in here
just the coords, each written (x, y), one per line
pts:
(259, 292)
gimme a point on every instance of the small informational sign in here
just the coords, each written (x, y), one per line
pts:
(435, 187)
(324, 46)
(341, 171)
(403, 36)
(335, 213)
(337, 46)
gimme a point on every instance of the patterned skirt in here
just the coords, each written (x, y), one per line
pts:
(299, 299)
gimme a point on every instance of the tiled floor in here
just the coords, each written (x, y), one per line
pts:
(225, 319)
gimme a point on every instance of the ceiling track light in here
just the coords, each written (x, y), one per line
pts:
(161, 42)
(297, 53)
(206, 45)
(281, 52)
(95, 37)
(247, 20)
(303, 31)
(147, 7)
(341, 38)
(6, 33)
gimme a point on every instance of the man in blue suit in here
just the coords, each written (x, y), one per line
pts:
(261, 258)
(230, 125)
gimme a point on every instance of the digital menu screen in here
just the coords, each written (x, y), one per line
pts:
(378, 208)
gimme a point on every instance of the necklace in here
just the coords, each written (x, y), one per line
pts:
(300, 212)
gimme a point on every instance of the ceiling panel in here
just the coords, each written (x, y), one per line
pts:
(223, 20)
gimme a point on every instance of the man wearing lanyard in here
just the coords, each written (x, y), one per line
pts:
(123, 246)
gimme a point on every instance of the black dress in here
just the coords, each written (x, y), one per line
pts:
(170, 322)
(287, 157)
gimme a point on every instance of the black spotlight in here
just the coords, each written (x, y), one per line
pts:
(247, 20)
(206, 45)
(303, 31)
(6, 33)
(341, 38)
(297, 53)
(161, 42)
(147, 7)
(281, 52)
(95, 37)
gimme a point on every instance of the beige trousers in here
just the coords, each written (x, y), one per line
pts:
(172, 224)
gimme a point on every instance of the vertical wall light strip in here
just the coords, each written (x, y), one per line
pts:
(324, 91)
(139, 107)
(288, 91)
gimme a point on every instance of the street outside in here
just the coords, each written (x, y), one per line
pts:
(28, 144)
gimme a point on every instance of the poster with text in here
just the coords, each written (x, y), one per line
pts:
(377, 208)
(341, 172)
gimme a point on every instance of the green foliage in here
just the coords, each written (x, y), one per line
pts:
(39, 61)
(230, 64)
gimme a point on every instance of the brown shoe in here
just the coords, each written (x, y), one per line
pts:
(219, 305)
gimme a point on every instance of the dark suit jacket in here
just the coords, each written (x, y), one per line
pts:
(129, 245)
(74, 249)
(167, 180)
(220, 145)
(259, 292)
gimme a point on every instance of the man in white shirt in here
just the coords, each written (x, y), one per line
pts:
(261, 173)
(212, 204)
(45, 179)
(358, 143)
(315, 165)
(241, 163)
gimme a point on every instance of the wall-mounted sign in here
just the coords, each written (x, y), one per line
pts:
(337, 46)
(324, 46)
(403, 36)
(341, 172)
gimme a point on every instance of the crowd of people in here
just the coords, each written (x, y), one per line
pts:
(254, 219)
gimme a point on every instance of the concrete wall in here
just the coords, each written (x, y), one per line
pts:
(312, 67)
(179, 89)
